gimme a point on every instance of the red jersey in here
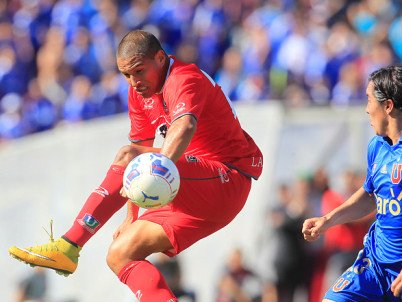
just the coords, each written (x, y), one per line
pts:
(219, 136)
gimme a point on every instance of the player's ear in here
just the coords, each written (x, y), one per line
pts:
(160, 57)
(389, 105)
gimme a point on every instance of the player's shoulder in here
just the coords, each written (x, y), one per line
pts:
(180, 68)
(376, 140)
(375, 145)
(188, 76)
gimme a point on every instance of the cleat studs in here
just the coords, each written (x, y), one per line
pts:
(62, 273)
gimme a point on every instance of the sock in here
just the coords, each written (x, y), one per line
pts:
(103, 202)
(146, 282)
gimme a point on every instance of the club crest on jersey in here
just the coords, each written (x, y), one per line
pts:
(149, 103)
(396, 173)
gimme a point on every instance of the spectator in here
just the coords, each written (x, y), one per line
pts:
(106, 95)
(286, 247)
(171, 271)
(33, 288)
(11, 120)
(39, 113)
(79, 105)
(229, 75)
(238, 283)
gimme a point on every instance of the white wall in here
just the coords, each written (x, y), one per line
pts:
(50, 175)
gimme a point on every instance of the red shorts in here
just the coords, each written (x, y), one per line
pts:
(210, 196)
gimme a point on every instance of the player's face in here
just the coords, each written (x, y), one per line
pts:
(145, 75)
(376, 111)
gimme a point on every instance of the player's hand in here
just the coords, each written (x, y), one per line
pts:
(123, 192)
(396, 286)
(121, 228)
(313, 228)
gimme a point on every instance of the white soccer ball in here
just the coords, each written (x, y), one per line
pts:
(151, 180)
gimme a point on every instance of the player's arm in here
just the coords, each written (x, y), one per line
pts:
(356, 207)
(178, 136)
(132, 210)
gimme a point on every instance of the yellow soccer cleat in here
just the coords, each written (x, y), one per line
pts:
(59, 255)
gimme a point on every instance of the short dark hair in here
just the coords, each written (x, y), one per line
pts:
(138, 42)
(387, 84)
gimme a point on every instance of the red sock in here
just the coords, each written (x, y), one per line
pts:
(146, 282)
(103, 202)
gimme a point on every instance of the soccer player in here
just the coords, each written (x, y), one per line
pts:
(376, 274)
(216, 159)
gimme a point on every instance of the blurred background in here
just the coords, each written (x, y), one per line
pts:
(296, 71)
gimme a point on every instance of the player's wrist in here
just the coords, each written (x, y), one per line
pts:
(327, 219)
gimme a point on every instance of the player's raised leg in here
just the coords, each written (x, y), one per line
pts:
(62, 254)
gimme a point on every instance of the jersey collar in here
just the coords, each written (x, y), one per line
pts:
(171, 61)
(386, 141)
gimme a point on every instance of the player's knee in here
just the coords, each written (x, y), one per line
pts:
(140, 240)
(117, 257)
(122, 251)
(110, 260)
(125, 155)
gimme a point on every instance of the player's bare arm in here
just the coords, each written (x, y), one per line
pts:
(130, 216)
(179, 136)
(177, 139)
(356, 207)
(148, 144)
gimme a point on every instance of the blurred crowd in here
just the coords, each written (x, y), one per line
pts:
(289, 269)
(57, 61)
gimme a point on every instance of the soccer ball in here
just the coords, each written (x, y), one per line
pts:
(151, 180)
